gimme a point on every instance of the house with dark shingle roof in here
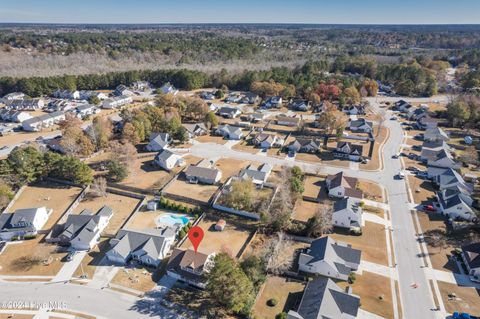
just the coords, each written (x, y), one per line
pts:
(435, 134)
(347, 150)
(23, 222)
(265, 140)
(323, 299)
(471, 258)
(190, 266)
(361, 125)
(347, 213)
(148, 247)
(195, 129)
(341, 186)
(158, 142)
(305, 145)
(205, 175)
(329, 258)
(288, 121)
(299, 105)
(257, 174)
(229, 112)
(456, 206)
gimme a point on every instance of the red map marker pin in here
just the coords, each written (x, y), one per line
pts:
(195, 234)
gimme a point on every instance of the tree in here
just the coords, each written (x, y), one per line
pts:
(6, 194)
(99, 187)
(255, 269)
(277, 254)
(469, 155)
(100, 132)
(332, 120)
(229, 286)
(94, 100)
(117, 171)
(281, 208)
(219, 94)
(352, 95)
(75, 142)
(71, 169)
(180, 134)
(130, 133)
(458, 112)
(123, 152)
(322, 222)
(26, 163)
(211, 120)
(435, 238)
(70, 121)
(240, 196)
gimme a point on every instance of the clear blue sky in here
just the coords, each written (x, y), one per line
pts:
(238, 11)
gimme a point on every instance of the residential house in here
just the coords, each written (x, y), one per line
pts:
(354, 109)
(123, 90)
(205, 175)
(323, 299)
(207, 96)
(117, 101)
(38, 123)
(148, 247)
(273, 102)
(299, 105)
(288, 121)
(264, 140)
(13, 96)
(305, 145)
(341, 186)
(431, 149)
(435, 134)
(349, 151)
(229, 112)
(329, 258)
(403, 106)
(86, 95)
(195, 129)
(23, 222)
(230, 132)
(168, 88)
(190, 266)
(141, 86)
(255, 117)
(67, 94)
(257, 173)
(86, 110)
(416, 114)
(168, 160)
(158, 142)
(471, 258)
(233, 98)
(14, 116)
(25, 104)
(250, 98)
(82, 231)
(361, 125)
(426, 123)
(446, 178)
(347, 213)
(456, 207)
(443, 159)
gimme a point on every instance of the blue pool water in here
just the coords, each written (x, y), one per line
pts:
(171, 220)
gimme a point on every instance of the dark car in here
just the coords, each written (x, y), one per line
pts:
(412, 169)
(2, 245)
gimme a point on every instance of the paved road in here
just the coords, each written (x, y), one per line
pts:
(100, 303)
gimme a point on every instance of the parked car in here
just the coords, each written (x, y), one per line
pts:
(422, 175)
(412, 169)
(396, 155)
(463, 315)
(393, 118)
(412, 156)
(2, 245)
(401, 175)
(70, 255)
(429, 208)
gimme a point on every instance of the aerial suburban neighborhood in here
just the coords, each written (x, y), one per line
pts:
(335, 176)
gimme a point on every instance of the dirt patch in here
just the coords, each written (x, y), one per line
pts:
(51, 195)
(142, 279)
(15, 316)
(372, 242)
(467, 298)
(230, 240)
(371, 191)
(287, 292)
(244, 146)
(375, 293)
(315, 187)
(122, 207)
(308, 157)
(145, 174)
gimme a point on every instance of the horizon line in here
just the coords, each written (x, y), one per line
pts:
(242, 23)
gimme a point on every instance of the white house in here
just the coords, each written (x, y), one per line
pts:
(456, 207)
(190, 267)
(288, 121)
(471, 258)
(349, 151)
(116, 102)
(435, 134)
(273, 102)
(38, 123)
(67, 94)
(341, 186)
(158, 142)
(167, 88)
(264, 140)
(443, 159)
(23, 222)
(361, 125)
(347, 213)
(123, 90)
(85, 110)
(229, 112)
(229, 132)
(205, 175)
(168, 160)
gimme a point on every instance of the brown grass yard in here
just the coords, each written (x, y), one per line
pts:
(467, 298)
(287, 292)
(423, 191)
(371, 190)
(122, 206)
(230, 240)
(142, 279)
(257, 246)
(146, 219)
(375, 293)
(372, 242)
(15, 316)
(413, 142)
(211, 139)
(51, 195)
(315, 187)
(199, 192)
(230, 167)
(147, 175)
(50, 261)
(308, 157)
(244, 146)
(304, 210)
(92, 259)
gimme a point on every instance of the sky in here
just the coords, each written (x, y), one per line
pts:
(242, 11)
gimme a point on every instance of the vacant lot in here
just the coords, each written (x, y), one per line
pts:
(230, 167)
(122, 206)
(380, 135)
(287, 292)
(467, 299)
(371, 191)
(372, 242)
(423, 191)
(142, 279)
(197, 192)
(211, 139)
(31, 258)
(51, 195)
(439, 256)
(230, 240)
(375, 293)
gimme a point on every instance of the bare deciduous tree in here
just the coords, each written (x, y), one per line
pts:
(278, 258)
(99, 187)
(435, 238)
(322, 222)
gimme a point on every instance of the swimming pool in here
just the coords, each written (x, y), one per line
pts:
(171, 220)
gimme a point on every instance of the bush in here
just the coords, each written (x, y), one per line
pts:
(351, 278)
(356, 231)
(182, 233)
(361, 204)
(272, 302)
(281, 315)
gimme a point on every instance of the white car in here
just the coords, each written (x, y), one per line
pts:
(401, 175)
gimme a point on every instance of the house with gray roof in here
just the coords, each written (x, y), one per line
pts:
(430, 149)
(329, 258)
(229, 112)
(148, 247)
(195, 129)
(204, 175)
(158, 142)
(305, 145)
(347, 213)
(273, 102)
(168, 88)
(456, 206)
(257, 173)
(443, 158)
(471, 258)
(82, 231)
(340, 186)
(23, 222)
(361, 125)
(288, 120)
(168, 160)
(299, 105)
(323, 299)
(229, 132)
(435, 134)
(447, 178)
(116, 101)
(347, 150)
(265, 140)
(190, 267)
(123, 90)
